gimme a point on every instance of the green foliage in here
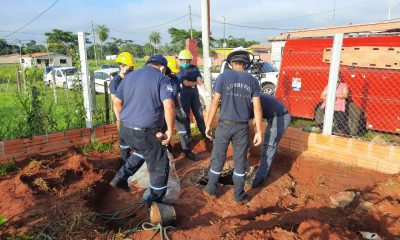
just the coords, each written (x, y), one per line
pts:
(62, 42)
(6, 48)
(39, 119)
(8, 73)
(102, 32)
(232, 42)
(3, 220)
(154, 39)
(32, 47)
(8, 168)
(98, 146)
(178, 36)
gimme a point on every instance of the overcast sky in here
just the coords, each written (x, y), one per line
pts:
(135, 19)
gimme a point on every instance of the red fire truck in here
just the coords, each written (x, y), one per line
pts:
(370, 65)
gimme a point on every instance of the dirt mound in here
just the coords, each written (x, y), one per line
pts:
(59, 197)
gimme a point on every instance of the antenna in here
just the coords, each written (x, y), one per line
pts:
(191, 25)
(334, 12)
(389, 10)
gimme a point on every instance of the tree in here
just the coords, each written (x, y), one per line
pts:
(6, 48)
(62, 42)
(31, 47)
(232, 42)
(178, 36)
(154, 38)
(102, 33)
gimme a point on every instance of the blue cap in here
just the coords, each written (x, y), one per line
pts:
(157, 58)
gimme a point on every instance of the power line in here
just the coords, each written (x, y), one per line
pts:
(313, 14)
(143, 29)
(245, 26)
(31, 21)
(29, 33)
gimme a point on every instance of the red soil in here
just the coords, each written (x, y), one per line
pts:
(58, 196)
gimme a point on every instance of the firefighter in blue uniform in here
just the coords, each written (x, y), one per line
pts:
(144, 100)
(278, 119)
(239, 94)
(180, 119)
(190, 77)
(126, 65)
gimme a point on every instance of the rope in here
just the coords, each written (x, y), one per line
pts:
(158, 228)
(132, 208)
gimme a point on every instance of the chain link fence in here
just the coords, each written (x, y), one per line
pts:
(367, 99)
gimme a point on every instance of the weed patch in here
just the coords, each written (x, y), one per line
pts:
(8, 168)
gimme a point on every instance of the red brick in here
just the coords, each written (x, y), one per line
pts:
(57, 135)
(367, 162)
(104, 138)
(2, 148)
(99, 131)
(6, 158)
(388, 166)
(73, 132)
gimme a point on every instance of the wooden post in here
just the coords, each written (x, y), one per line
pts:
(18, 81)
(107, 102)
(25, 87)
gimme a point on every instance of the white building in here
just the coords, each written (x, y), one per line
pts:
(111, 57)
(46, 59)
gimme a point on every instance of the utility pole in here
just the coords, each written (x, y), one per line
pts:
(191, 24)
(20, 54)
(389, 10)
(224, 43)
(94, 45)
(205, 27)
(334, 12)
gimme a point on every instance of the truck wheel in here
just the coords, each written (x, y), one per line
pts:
(268, 88)
(319, 114)
(356, 119)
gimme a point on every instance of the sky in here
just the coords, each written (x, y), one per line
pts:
(136, 19)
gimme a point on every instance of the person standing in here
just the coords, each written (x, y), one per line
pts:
(180, 119)
(278, 119)
(340, 118)
(126, 65)
(239, 94)
(143, 100)
(190, 77)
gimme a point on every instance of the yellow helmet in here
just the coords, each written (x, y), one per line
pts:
(125, 58)
(173, 64)
(185, 55)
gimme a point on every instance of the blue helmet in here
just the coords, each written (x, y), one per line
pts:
(158, 58)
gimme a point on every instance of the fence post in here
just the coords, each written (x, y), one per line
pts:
(18, 81)
(53, 76)
(107, 102)
(24, 75)
(333, 77)
(86, 84)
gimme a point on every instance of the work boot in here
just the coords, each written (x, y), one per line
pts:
(189, 155)
(121, 183)
(208, 195)
(244, 200)
(256, 183)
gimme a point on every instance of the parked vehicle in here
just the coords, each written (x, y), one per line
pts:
(106, 66)
(265, 72)
(104, 75)
(369, 66)
(66, 77)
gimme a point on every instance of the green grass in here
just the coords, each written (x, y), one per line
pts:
(300, 122)
(6, 169)
(3, 220)
(107, 147)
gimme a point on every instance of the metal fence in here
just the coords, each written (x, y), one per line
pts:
(366, 86)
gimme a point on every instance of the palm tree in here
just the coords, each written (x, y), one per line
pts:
(155, 38)
(102, 33)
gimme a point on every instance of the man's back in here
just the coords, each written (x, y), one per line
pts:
(142, 92)
(237, 90)
(271, 106)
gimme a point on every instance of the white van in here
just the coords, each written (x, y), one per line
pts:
(66, 77)
(104, 75)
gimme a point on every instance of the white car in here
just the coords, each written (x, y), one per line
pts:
(104, 75)
(66, 77)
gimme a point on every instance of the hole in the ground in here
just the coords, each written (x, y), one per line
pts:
(201, 177)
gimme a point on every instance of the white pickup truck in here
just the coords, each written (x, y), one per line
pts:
(265, 72)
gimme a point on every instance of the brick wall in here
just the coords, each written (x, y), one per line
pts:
(381, 158)
(20, 149)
